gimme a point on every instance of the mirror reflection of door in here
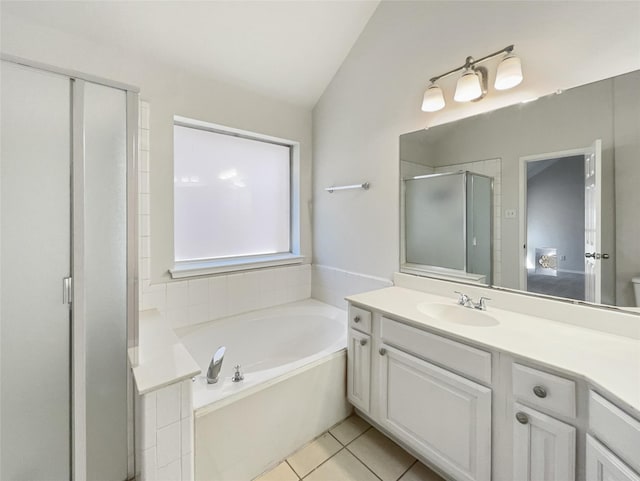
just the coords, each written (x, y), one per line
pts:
(562, 236)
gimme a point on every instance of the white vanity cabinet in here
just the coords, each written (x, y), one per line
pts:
(544, 448)
(615, 454)
(421, 389)
(436, 412)
(359, 358)
(475, 412)
(603, 465)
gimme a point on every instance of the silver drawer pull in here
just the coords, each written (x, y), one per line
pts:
(363, 342)
(540, 391)
(382, 351)
(522, 418)
(356, 319)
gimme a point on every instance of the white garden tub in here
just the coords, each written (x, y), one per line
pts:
(293, 360)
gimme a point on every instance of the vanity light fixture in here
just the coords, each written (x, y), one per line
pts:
(472, 85)
(433, 99)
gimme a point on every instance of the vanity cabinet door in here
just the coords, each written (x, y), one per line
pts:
(544, 449)
(603, 465)
(444, 416)
(359, 369)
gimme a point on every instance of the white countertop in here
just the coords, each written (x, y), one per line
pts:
(608, 361)
(160, 358)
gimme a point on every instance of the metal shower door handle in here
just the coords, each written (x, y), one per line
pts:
(67, 290)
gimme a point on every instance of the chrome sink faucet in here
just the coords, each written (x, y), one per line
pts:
(466, 301)
(213, 373)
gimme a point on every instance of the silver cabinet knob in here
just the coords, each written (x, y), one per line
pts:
(540, 391)
(522, 417)
(382, 351)
(363, 342)
(356, 319)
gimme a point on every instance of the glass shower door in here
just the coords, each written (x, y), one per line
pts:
(35, 257)
(105, 280)
(435, 220)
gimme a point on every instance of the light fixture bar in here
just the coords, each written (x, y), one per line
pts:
(470, 62)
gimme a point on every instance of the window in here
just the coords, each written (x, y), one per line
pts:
(232, 200)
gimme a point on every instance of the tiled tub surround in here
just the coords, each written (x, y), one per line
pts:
(294, 386)
(167, 434)
(185, 303)
(162, 369)
(293, 362)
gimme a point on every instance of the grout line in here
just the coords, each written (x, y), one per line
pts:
(314, 469)
(407, 470)
(364, 464)
(358, 436)
(291, 468)
(339, 442)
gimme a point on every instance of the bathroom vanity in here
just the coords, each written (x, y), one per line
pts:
(497, 394)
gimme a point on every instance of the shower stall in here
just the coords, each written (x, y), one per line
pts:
(447, 224)
(68, 284)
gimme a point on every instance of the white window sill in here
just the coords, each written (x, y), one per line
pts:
(184, 269)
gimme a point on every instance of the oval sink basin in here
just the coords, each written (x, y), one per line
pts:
(457, 314)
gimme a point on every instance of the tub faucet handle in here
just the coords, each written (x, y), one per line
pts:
(237, 376)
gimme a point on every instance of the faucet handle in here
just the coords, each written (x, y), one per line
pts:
(481, 304)
(463, 299)
(237, 376)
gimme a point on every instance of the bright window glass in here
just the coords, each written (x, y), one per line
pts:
(232, 195)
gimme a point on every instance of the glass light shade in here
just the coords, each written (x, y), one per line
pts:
(468, 87)
(509, 73)
(433, 99)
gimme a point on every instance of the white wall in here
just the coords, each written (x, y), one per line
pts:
(376, 96)
(170, 92)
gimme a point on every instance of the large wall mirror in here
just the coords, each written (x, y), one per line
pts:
(542, 197)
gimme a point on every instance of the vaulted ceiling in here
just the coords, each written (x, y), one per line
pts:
(288, 50)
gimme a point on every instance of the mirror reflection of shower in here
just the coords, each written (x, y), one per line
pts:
(448, 224)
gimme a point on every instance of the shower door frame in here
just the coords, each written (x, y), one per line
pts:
(78, 330)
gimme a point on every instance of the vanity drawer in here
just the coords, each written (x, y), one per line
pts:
(459, 357)
(544, 390)
(359, 319)
(614, 427)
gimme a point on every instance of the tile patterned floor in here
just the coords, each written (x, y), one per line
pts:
(351, 451)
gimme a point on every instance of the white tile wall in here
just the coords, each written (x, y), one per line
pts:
(167, 434)
(191, 302)
(332, 285)
(144, 208)
(492, 168)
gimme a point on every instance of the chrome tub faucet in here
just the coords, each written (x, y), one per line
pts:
(213, 373)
